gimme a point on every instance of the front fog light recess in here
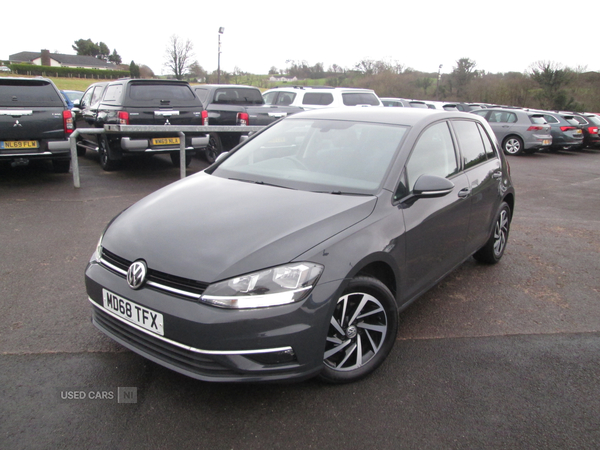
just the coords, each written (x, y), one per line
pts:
(270, 287)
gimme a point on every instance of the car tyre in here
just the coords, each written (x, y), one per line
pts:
(61, 165)
(106, 160)
(176, 158)
(362, 331)
(214, 148)
(513, 145)
(494, 248)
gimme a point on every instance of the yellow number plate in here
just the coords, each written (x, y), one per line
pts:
(165, 141)
(19, 144)
(546, 142)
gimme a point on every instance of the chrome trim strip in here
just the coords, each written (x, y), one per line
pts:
(174, 290)
(16, 112)
(113, 267)
(186, 347)
(152, 283)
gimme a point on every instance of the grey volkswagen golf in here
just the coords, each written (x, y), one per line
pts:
(293, 255)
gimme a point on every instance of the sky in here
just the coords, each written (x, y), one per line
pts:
(500, 37)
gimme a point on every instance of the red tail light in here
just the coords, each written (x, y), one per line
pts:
(123, 118)
(593, 130)
(243, 119)
(68, 123)
(535, 128)
(204, 117)
(568, 128)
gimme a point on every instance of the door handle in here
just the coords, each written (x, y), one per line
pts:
(465, 192)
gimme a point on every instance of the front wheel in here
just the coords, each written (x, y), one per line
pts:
(513, 145)
(494, 248)
(362, 331)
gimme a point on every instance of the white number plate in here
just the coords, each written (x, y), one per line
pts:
(134, 313)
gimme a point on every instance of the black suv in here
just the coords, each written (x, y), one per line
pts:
(35, 122)
(139, 102)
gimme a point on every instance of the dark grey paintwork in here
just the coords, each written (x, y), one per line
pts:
(209, 228)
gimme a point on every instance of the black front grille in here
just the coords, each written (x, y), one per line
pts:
(169, 353)
(170, 281)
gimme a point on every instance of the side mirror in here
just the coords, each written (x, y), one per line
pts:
(221, 156)
(432, 186)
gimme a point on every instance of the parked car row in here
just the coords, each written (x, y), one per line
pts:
(521, 130)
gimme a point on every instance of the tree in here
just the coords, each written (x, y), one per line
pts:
(462, 75)
(553, 79)
(115, 57)
(134, 70)
(146, 72)
(178, 56)
(197, 72)
(86, 47)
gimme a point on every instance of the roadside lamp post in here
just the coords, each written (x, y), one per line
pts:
(221, 30)
(437, 86)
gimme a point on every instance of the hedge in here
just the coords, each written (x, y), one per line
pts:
(66, 72)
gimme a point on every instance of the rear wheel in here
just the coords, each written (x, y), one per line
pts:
(214, 148)
(494, 248)
(362, 331)
(107, 162)
(513, 145)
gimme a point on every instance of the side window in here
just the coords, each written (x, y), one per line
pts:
(433, 154)
(511, 118)
(113, 93)
(487, 143)
(285, 98)
(317, 98)
(471, 146)
(97, 94)
(550, 119)
(269, 98)
(202, 94)
(86, 99)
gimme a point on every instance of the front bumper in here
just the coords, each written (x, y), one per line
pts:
(214, 344)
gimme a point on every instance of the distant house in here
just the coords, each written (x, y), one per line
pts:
(284, 79)
(45, 58)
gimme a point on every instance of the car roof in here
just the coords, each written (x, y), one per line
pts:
(396, 116)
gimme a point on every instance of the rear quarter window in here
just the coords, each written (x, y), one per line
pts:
(29, 93)
(537, 119)
(360, 98)
(317, 98)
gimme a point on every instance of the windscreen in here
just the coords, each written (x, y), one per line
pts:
(317, 155)
(28, 93)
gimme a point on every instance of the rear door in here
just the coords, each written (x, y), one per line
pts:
(483, 169)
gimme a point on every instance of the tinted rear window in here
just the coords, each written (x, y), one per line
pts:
(28, 93)
(360, 98)
(593, 119)
(161, 94)
(317, 98)
(538, 119)
(238, 96)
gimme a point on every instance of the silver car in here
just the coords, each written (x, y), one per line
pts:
(518, 131)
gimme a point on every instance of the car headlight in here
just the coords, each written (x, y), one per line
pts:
(270, 287)
(98, 250)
